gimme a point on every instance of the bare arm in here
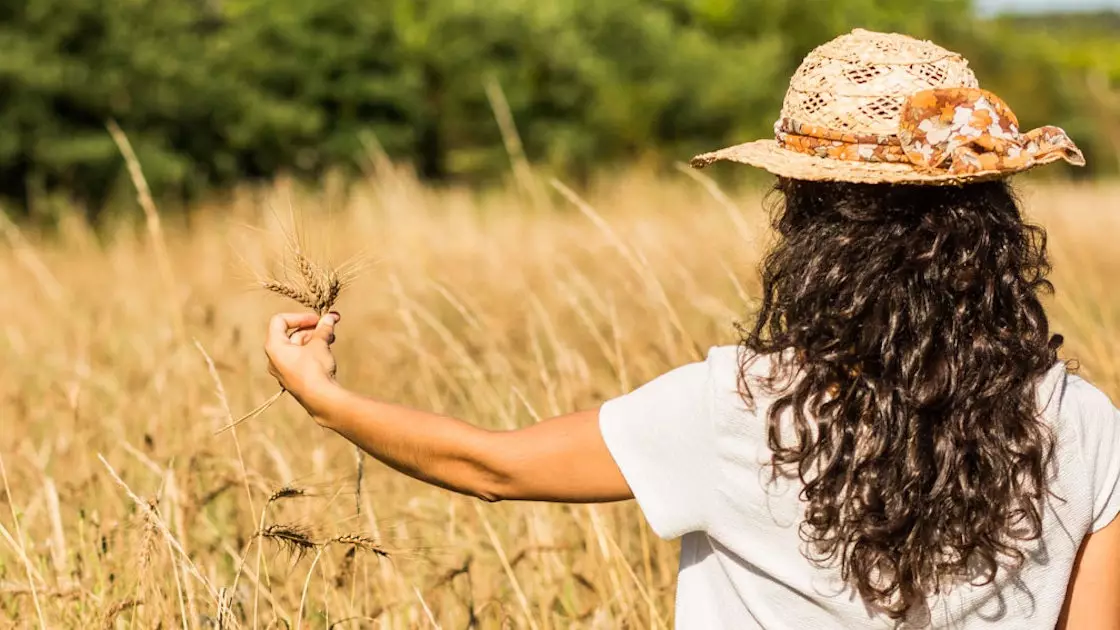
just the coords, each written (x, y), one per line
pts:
(563, 459)
(1093, 596)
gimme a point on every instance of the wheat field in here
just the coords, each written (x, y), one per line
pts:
(126, 348)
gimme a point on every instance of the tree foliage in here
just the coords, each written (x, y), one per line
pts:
(212, 92)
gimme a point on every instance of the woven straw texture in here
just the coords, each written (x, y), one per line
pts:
(858, 83)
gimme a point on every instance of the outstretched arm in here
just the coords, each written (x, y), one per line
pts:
(563, 459)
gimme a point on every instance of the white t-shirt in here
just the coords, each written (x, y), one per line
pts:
(698, 464)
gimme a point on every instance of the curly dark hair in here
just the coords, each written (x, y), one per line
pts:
(909, 339)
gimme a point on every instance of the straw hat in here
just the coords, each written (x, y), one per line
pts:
(872, 107)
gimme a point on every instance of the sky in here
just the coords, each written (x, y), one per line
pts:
(996, 6)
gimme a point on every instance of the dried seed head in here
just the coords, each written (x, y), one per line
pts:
(360, 542)
(149, 533)
(109, 618)
(319, 287)
(289, 291)
(287, 492)
(296, 539)
(307, 270)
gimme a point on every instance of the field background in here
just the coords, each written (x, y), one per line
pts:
(505, 174)
(493, 307)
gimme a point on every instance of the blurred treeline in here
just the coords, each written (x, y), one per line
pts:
(216, 92)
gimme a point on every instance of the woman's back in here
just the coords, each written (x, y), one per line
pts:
(702, 470)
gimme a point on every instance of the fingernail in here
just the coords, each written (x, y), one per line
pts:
(336, 316)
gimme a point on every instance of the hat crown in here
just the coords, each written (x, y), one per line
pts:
(858, 82)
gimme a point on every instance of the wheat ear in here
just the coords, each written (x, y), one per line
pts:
(318, 289)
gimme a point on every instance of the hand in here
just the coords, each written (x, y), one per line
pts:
(299, 354)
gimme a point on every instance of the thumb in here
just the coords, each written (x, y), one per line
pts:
(324, 330)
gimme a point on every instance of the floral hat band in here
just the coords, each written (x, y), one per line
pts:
(957, 131)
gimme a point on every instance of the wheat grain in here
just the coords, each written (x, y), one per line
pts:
(319, 288)
(360, 542)
(287, 492)
(296, 539)
(147, 541)
(109, 618)
(289, 291)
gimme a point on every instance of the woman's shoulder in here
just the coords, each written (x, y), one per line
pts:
(736, 367)
(1084, 397)
(735, 361)
(724, 359)
(742, 382)
(1075, 404)
(730, 366)
(1088, 426)
(1087, 413)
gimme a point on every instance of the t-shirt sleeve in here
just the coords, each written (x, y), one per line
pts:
(661, 437)
(1099, 422)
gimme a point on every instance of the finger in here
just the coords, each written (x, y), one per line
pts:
(281, 323)
(301, 337)
(324, 331)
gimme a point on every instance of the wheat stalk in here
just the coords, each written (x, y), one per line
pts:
(318, 289)
(151, 219)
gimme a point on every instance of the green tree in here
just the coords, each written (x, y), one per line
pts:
(212, 93)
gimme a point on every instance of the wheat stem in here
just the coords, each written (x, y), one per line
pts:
(161, 527)
(151, 219)
(307, 583)
(20, 548)
(261, 408)
(360, 465)
(27, 256)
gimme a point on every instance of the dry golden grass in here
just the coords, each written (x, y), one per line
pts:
(484, 306)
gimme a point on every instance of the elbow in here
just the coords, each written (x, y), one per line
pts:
(486, 478)
(490, 487)
(487, 496)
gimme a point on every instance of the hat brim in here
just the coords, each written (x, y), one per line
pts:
(770, 156)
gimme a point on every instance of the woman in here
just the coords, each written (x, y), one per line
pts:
(893, 442)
